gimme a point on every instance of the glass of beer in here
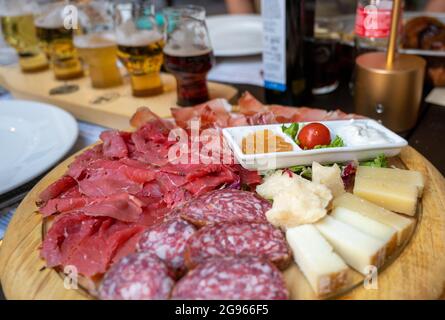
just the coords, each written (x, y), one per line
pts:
(140, 42)
(188, 53)
(17, 21)
(57, 41)
(97, 45)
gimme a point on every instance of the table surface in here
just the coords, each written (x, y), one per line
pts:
(426, 137)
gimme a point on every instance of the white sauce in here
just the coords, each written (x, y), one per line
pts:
(359, 134)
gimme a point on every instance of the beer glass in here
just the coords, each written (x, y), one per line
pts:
(97, 44)
(140, 41)
(17, 21)
(188, 53)
(57, 41)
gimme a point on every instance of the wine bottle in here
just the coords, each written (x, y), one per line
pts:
(286, 26)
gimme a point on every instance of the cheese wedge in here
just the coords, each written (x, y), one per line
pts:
(407, 177)
(325, 271)
(358, 249)
(391, 195)
(403, 225)
(369, 226)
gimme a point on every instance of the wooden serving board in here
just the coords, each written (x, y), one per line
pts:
(107, 107)
(418, 273)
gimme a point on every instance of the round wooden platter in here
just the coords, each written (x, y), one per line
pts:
(418, 273)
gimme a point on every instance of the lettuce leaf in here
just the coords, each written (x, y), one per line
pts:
(380, 162)
(291, 131)
(336, 143)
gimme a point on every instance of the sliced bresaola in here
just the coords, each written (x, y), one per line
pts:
(106, 177)
(95, 253)
(114, 145)
(56, 188)
(89, 243)
(208, 178)
(121, 206)
(81, 162)
(65, 234)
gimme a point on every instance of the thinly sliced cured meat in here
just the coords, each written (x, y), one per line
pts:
(61, 205)
(214, 113)
(232, 279)
(140, 276)
(95, 253)
(57, 188)
(65, 234)
(123, 207)
(114, 145)
(225, 205)
(249, 105)
(144, 115)
(81, 162)
(105, 178)
(238, 240)
(168, 240)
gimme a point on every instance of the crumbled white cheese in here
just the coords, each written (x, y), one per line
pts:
(330, 176)
(296, 201)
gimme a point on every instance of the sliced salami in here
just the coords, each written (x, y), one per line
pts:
(168, 240)
(238, 240)
(225, 205)
(247, 278)
(139, 276)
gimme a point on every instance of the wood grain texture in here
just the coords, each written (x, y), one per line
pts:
(418, 273)
(113, 114)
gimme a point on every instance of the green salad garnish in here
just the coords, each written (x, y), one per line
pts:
(380, 162)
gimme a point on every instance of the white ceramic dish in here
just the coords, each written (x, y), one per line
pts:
(236, 35)
(267, 161)
(33, 137)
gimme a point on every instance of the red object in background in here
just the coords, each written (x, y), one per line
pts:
(314, 134)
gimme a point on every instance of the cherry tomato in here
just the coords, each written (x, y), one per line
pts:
(314, 134)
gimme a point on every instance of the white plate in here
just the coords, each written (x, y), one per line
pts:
(236, 35)
(33, 137)
(267, 161)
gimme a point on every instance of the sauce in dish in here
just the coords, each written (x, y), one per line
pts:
(264, 141)
(360, 134)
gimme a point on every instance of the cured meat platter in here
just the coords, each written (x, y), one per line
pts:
(106, 107)
(411, 265)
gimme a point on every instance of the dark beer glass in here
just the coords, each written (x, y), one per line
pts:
(188, 53)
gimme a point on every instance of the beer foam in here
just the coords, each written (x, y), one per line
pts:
(10, 8)
(52, 19)
(185, 51)
(95, 40)
(139, 38)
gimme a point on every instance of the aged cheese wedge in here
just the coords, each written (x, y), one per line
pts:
(403, 225)
(369, 226)
(391, 195)
(407, 177)
(358, 249)
(325, 271)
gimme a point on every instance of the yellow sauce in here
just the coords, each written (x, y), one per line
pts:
(264, 141)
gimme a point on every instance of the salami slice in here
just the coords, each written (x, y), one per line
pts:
(139, 276)
(238, 240)
(226, 205)
(247, 278)
(168, 240)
